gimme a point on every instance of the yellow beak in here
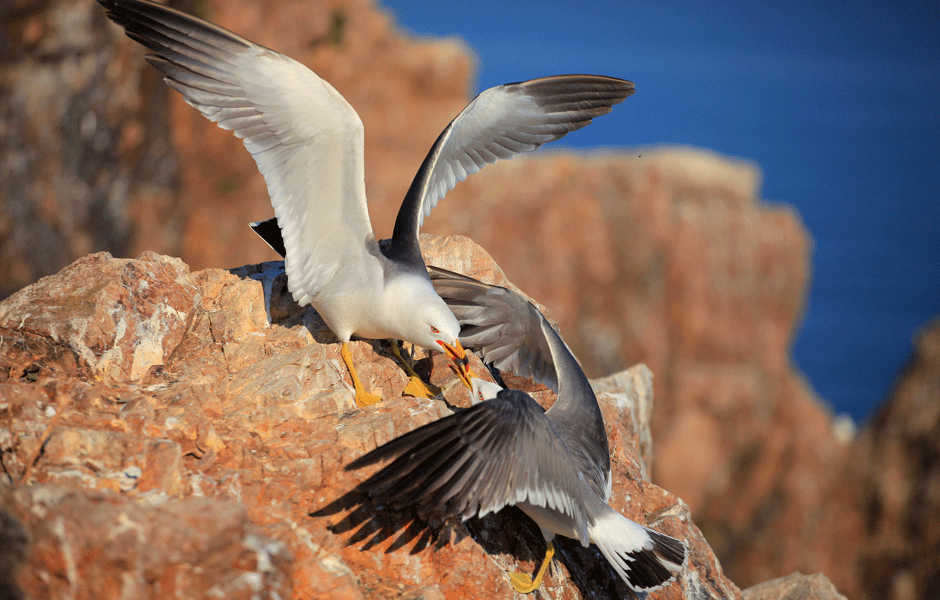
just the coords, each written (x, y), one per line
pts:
(459, 357)
(455, 351)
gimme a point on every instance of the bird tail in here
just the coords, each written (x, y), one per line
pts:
(645, 559)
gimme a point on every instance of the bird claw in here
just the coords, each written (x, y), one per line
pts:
(418, 389)
(522, 583)
(364, 398)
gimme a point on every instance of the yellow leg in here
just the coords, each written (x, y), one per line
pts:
(524, 584)
(416, 387)
(363, 398)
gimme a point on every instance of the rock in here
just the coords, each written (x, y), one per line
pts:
(900, 454)
(794, 587)
(13, 547)
(79, 127)
(85, 322)
(864, 511)
(690, 273)
(214, 467)
(103, 545)
(892, 509)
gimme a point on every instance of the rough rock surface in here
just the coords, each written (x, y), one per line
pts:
(894, 492)
(794, 587)
(163, 438)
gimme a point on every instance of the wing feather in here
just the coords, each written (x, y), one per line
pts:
(497, 453)
(510, 333)
(500, 325)
(306, 139)
(500, 123)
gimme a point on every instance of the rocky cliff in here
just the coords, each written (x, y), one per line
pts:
(166, 440)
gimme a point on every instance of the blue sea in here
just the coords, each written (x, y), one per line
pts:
(838, 103)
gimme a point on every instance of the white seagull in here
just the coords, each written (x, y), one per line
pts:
(554, 465)
(308, 144)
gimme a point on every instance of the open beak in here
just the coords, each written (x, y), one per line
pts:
(455, 352)
(460, 361)
(464, 373)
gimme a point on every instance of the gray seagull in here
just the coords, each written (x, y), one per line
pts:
(508, 450)
(308, 144)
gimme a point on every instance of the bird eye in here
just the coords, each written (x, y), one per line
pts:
(480, 396)
(434, 329)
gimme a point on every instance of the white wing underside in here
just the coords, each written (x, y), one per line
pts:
(304, 136)
(478, 136)
(308, 143)
(513, 118)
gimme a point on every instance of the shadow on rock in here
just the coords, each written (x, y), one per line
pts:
(279, 303)
(508, 533)
(513, 533)
(371, 525)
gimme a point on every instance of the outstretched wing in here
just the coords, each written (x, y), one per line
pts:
(496, 453)
(306, 139)
(500, 123)
(510, 333)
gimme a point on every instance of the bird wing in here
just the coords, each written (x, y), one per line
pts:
(500, 123)
(306, 139)
(496, 453)
(510, 333)
(500, 325)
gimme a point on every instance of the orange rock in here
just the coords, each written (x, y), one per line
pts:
(219, 469)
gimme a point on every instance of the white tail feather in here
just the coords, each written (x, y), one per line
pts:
(645, 559)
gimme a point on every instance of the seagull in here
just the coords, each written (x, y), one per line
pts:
(507, 450)
(308, 144)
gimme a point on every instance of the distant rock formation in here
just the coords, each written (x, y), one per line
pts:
(893, 491)
(95, 146)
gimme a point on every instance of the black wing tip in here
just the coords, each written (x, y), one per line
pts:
(646, 572)
(117, 8)
(270, 232)
(669, 548)
(579, 78)
(613, 88)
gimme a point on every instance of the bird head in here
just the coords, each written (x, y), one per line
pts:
(436, 328)
(481, 390)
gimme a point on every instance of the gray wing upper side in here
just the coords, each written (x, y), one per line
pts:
(499, 325)
(496, 453)
(510, 333)
(498, 124)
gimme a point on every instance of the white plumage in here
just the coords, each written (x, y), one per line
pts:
(308, 144)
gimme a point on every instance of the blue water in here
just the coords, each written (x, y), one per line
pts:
(839, 106)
